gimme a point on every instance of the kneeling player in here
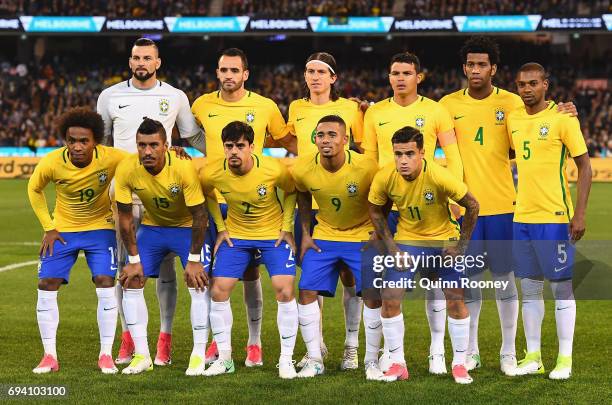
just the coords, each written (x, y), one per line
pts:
(82, 220)
(339, 180)
(174, 222)
(256, 222)
(421, 190)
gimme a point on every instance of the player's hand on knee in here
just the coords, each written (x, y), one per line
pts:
(308, 243)
(48, 241)
(287, 237)
(181, 153)
(577, 228)
(195, 277)
(222, 236)
(131, 272)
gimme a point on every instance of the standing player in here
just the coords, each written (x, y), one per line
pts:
(381, 121)
(174, 222)
(321, 99)
(256, 221)
(82, 220)
(480, 114)
(339, 181)
(123, 106)
(421, 191)
(545, 226)
(214, 111)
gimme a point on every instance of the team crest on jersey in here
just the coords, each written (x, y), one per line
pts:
(352, 188)
(250, 117)
(419, 121)
(500, 116)
(429, 196)
(543, 132)
(174, 189)
(262, 191)
(102, 177)
(164, 106)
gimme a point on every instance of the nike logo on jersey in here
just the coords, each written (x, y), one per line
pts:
(287, 337)
(300, 119)
(212, 115)
(62, 182)
(108, 309)
(138, 189)
(123, 106)
(225, 192)
(394, 196)
(516, 130)
(459, 117)
(314, 189)
(380, 124)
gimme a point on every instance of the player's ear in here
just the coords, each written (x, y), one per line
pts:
(420, 78)
(333, 79)
(158, 63)
(464, 70)
(545, 84)
(493, 70)
(245, 75)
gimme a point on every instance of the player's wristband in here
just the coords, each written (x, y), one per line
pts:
(134, 259)
(194, 257)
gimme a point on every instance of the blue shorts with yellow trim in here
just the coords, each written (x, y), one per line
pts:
(99, 246)
(488, 240)
(233, 261)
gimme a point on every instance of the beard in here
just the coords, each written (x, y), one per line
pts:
(143, 76)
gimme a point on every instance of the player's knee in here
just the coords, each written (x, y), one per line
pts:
(285, 294)
(391, 308)
(49, 284)
(219, 292)
(307, 297)
(251, 273)
(531, 288)
(104, 281)
(135, 284)
(456, 309)
(372, 304)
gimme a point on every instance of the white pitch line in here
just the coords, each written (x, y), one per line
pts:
(21, 243)
(18, 265)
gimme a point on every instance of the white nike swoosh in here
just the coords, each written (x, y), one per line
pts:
(289, 265)
(559, 269)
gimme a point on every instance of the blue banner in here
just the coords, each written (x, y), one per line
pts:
(497, 23)
(206, 24)
(61, 24)
(363, 25)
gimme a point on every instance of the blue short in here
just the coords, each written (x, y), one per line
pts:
(211, 238)
(431, 265)
(542, 250)
(233, 261)
(156, 242)
(392, 221)
(320, 271)
(488, 239)
(99, 246)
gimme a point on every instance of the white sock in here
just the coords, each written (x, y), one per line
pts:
(119, 297)
(253, 300)
(435, 308)
(309, 317)
(565, 315)
(459, 331)
(287, 321)
(352, 315)
(533, 312)
(372, 325)
(107, 318)
(221, 324)
(167, 291)
(137, 318)
(47, 314)
(508, 309)
(199, 321)
(393, 331)
(320, 300)
(473, 302)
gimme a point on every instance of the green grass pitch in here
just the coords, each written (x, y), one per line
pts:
(20, 347)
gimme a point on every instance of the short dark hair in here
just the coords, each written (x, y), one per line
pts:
(408, 134)
(533, 67)
(332, 118)
(480, 44)
(331, 61)
(149, 126)
(82, 117)
(236, 52)
(146, 42)
(406, 57)
(235, 130)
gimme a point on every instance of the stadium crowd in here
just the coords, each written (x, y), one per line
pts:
(300, 8)
(31, 98)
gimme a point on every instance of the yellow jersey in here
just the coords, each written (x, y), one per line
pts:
(164, 196)
(422, 203)
(543, 142)
(342, 196)
(213, 113)
(304, 116)
(82, 201)
(254, 210)
(480, 127)
(384, 118)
